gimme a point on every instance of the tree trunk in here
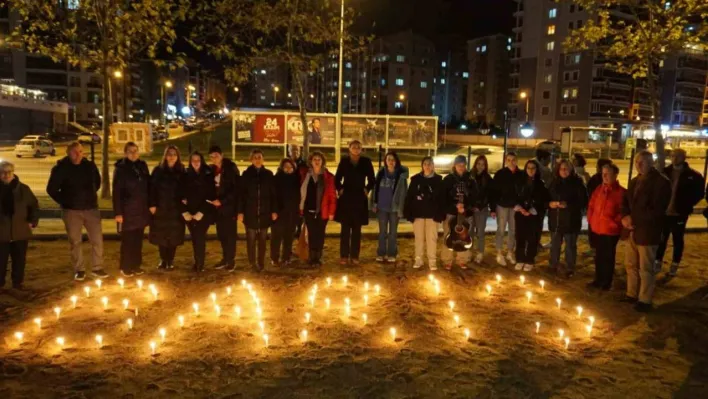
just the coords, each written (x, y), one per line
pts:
(656, 111)
(107, 118)
(302, 106)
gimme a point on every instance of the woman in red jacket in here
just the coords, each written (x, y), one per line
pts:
(605, 220)
(318, 202)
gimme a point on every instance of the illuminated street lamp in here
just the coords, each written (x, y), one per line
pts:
(236, 89)
(190, 89)
(117, 74)
(276, 89)
(167, 84)
(526, 130)
(402, 97)
(525, 96)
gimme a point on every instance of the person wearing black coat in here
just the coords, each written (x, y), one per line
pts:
(198, 195)
(287, 184)
(568, 198)
(167, 224)
(480, 174)
(257, 208)
(226, 178)
(422, 208)
(131, 192)
(502, 203)
(353, 180)
(532, 199)
(459, 193)
(686, 191)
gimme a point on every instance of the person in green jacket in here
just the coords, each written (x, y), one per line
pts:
(19, 214)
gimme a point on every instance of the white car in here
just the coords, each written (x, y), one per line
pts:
(34, 146)
(88, 138)
(443, 162)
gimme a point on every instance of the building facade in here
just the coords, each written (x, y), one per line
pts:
(488, 87)
(451, 87)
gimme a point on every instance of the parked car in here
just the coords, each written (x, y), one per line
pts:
(443, 162)
(88, 138)
(550, 146)
(34, 146)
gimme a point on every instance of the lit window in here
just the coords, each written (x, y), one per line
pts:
(484, 48)
(400, 58)
(550, 46)
(481, 83)
(262, 97)
(552, 12)
(383, 82)
(349, 65)
(548, 78)
(574, 93)
(442, 81)
(399, 82)
(398, 104)
(577, 58)
(347, 84)
(465, 75)
(444, 64)
(423, 85)
(508, 48)
(263, 71)
(72, 4)
(551, 29)
(566, 93)
(667, 5)
(433, 106)
(479, 49)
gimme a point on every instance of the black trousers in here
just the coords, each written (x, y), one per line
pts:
(350, 241)
(256, 237)
(528, 233)
(316, 232)
(676, 226)
(226, 232)
(131, 249)
(605, 251)
(167, 254)
(282, 232)
(198, 231)
(592, 238)
(17, 251)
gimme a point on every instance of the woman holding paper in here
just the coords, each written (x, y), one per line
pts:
(532, 198)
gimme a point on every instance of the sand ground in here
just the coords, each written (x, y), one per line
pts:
(628, 355)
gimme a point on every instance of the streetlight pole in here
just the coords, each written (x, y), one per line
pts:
(276, 89)
(340, 89)
(163, 106)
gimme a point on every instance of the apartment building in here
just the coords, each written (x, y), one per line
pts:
(684, 105)
(451, 87)
(488, 87)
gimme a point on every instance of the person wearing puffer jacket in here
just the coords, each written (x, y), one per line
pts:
(388, 200)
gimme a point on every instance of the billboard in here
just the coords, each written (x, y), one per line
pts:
(371, 132)
(260, 128)
(411, 132)
(320, 130)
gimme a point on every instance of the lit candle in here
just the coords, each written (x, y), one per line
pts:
(228, 291)
(153, 347)
(19, 335)
(261, 324)
(457, 320)
(437, 287)
(329, 281)
(57, 311)
(345, 280)
(61, 342)
(99, 283)
(259, 312)
(303, 334)
(366, 286)
(195, 306)
(249, 286)
(467, 333)
(588, 328)
(558, 302)
(126, 302)
(237, 310)
(163, 333)
(312, 300)
(104, 301)
(151, 287)
(314, 289)
(499, 278)
(489, 289)
(87, 290)
(392, 331)
(347, 310)
(257, 301)
(326, 303)
(592, 320)
(38, 322)
(121, 282)
(130, 324)
(136, 311)
(580, 310)
(140, 284)
(567, 342)
(377, 288)
(528, 296)
(561, 333)
(538, 326)
(99, 339)
(431, 278)
(364, 317)
(154, 292)
(217, 310)
(73, 299)
(451, 304)
(265, 338)
(543, 284)
(307, 317)
(180, 319)
(243, 283)
(366, 300)
(213, 298)
(522, 279)
(346, 301)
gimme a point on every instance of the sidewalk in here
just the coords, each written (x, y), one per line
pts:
(53, 229)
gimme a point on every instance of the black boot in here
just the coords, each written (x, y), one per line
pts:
(318, 258)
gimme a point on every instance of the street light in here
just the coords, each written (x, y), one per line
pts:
(276, 89)
(117, 74)
(190, 89)
(402, 97)
(524, 95)
(526, 130)
(235, 89)
(163, 112)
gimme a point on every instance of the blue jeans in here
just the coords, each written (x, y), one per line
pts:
(571, 249)
(388, 234)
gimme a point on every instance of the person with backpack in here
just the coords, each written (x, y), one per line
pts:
(422, 208)
(388, 199)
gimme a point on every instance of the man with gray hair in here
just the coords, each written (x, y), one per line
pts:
(686, 191)
(643, 213)
(73, 183)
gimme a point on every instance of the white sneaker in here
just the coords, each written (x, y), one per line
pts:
(510, 257)
(479, 258)
(528, 267)
(380, 259)
(500, 259)
(519, 267)
(433, 266)
(391, 259)
(418, 263)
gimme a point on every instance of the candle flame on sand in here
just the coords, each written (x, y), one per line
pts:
(213, 298)
(467, 333)
(558, 302)
(217, 310)
(121, 282)
(153, 347)
(543, 285)
(61, 342)
(366, 286)
(303, 335)
(57, 311)
(73, 299)
(265, 338)
(237, 310)
(195, 306)
(567, 342)
(592, 320)
(498, 278)
(126, 302)
(538, 326)
(529, 295)
(329, 281)
(326, 303)
(392, 331)
(457, 320)
(489, 289)
(364, 317)
(580, 310)
(38, 322)
(451, 304)
(99, 339)
(140, 284)
(366, 300)
(561, 333)
(307, 317)
(19, 335)
(588, 328)
(180, 319)
(345, 280)
(98, 283)
(104, 301)
(87, 291)
(377, 288)
(163, 333)
(522, 279)
(130, 324)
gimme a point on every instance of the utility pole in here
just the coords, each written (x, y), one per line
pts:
(340, 89)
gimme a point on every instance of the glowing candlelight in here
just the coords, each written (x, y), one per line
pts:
(592, 320)
(347, 310)
(345, 280)
(98, 283)
(307, 317)
(237, 310)
(130, 324)
(136, 311)
(561, 333)
(126, 302)
(451, 304)
(522, 279)
(228, 291)
(163, 333)
(543, 284)
(431, 278)
(528, 296)
(489, 289)
(261, 324)
(257, 301)
(60, 341)
(38, 322)
(580, 310)
(121, 282)
(151, 287)
(558, 302)
(377, 288)
(19, 335)
(499, 278)
(588, 328)
(180, 320)
(104, 301)
(195, 306)
(457, 320)
(154, 292)
(366, 286)
(265, 338)
(312, 300)
(314, 289)
(567, 342)
(249, 286)
(326, 303)
(538, 326)
(213, 298)
(437, 287)
(153, 347)
(73, 299)
(329, 281)
(140, 284)
(217, 310)
(347, 301)
(303, 334)
(392, 331)
(467, 333)
(366, 300)
(259, 312)
(364, 317)
(243, 283)
(87, 290)
(99, 339)
(57, 311)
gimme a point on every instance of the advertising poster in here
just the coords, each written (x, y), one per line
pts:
(410, 132)
(260, 128)
(320, 129)
(370, 131)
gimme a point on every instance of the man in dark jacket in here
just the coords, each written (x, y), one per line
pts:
(354, 180)
(643, 214)
(72, 184)
(502, 203)
(686, 191)
(226, 177)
